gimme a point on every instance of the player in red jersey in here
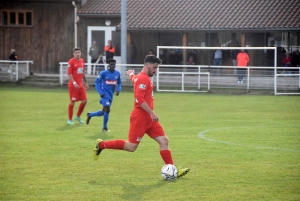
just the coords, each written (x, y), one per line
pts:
(143, 119)
(76, 87)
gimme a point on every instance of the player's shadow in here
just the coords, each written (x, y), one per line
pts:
(68, 127)
(101, 135)
(130, 189)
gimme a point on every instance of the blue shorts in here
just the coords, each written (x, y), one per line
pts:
(105, 101)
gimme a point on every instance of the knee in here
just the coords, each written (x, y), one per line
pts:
(131, 147)
(106, 109)
(84, 102)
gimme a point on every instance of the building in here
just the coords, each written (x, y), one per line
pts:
(44, 30)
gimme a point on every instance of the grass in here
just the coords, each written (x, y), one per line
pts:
(238, 148)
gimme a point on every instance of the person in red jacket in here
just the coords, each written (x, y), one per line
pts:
(287, 62)
(242, 60)
(109, 50)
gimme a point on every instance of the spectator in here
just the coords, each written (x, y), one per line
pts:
(133, 53)
(151, 52)
(109, 50)
(13, 56)
(100, 60)
(218, 61)
(162, 56)
(242, 61)
(173, 59)
(191, 61)
(295, 61)
(234, 53)
(287, 62)
(94, 52)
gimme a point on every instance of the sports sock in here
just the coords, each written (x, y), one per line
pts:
(105, 119)
(112, 144)
(70, 111)
(80, 109)
(98, 114)
(166, 156)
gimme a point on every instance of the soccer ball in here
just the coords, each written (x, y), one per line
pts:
(168, 172)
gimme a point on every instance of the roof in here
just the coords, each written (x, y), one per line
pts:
(201, 14)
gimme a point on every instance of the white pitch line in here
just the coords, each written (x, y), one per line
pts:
(202, 135)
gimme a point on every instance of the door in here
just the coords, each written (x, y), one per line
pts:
(101, 35)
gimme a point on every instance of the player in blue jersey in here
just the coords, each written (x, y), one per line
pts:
(107, 83)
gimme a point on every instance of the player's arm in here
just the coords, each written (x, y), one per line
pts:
(85, 82)
(146, 107)
(70, 75)
(98, 83)
(131, 75)
(119, 85)
(73, 81)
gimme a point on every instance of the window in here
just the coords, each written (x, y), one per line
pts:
(16, 18)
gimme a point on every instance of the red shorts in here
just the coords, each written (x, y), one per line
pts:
(77, 94)
(141, 123)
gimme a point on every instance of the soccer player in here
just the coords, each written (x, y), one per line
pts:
(76, 87)
(143, 119)
(105, 84)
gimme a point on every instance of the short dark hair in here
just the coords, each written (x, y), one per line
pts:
(76, 48)
(111, 60)
(152, 59)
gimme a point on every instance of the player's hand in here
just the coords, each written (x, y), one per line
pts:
(86, 85)
(154, 117)
(117, 93)
(110, 47)
(129, 72)
(102, 95)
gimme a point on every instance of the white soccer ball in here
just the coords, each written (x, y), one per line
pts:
(168, 172)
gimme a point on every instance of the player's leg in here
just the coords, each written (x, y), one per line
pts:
(89, 115)
(106, 111)
(156, 132)
(81, 96)
(71, 105)
(136, 133)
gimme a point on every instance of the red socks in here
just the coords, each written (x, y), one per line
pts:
(166, 156)
(70, 111)
(112, 144)
(80, 109)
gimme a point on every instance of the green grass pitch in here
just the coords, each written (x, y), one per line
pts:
(239, 147)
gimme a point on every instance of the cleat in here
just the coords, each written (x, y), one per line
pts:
(88, 118)
(71, 122)
(79, 120)
(105, 130)
(182, 172)
(97, 149)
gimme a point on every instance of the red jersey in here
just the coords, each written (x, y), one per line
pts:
(242, 59)
(76, 69)
(143, 90)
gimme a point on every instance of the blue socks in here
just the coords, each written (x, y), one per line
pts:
(105, 120)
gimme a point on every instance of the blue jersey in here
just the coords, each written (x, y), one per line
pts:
(106, 83)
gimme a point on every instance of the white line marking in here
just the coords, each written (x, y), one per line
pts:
(202, 135)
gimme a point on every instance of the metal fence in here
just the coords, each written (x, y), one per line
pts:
(12, 71)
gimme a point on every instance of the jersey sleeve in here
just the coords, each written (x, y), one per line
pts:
(141, 86)
(98, 82)
(70, 67)
(119, 83)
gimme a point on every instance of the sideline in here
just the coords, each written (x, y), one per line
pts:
(202, 136)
